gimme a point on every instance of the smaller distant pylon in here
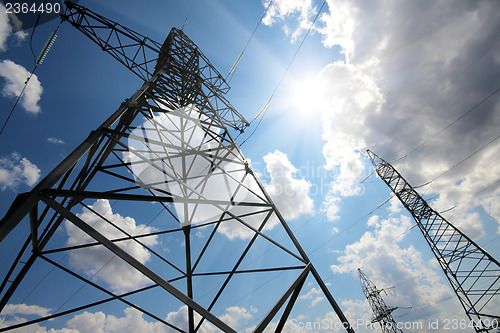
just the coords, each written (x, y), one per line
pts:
(381, 312)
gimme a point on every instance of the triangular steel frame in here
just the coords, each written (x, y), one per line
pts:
(168, 144)
(472, 272)
(382, 314)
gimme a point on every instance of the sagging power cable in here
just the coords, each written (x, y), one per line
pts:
(262, 112)
(230, 75)
(38, 62)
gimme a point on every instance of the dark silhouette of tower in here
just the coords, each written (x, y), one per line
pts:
(382, 314)
(473, 274)
(168, 146)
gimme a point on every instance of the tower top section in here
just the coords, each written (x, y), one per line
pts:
(188, 78)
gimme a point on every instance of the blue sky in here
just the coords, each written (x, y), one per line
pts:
(395, 77)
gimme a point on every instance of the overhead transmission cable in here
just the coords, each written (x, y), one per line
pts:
(38, 62)
(266, 106)
(187, 16)
(33, 32)
(488, 49)
(236, 63)
(465, 159)
(453, 122)
(351, 225)
(444, 129)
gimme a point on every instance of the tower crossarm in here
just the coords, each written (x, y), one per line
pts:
(189, 74)
(137, 52)
(472, 272)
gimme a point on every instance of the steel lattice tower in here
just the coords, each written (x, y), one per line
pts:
(169, 144)
(382, 314)
(473, 274)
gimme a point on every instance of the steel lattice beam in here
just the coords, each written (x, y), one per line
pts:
(201, 84)
(382, 314)
(472, 272)
(168, 144)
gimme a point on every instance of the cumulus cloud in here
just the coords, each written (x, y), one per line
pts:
(4, 28)
(315, 295)
(387, 263)
(16, 170)
(291, 195)
(13, 314)
(99, 261)
(15, 77)
(25, 309)
(133, 321)
(411, 70)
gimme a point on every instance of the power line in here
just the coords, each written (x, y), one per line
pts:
(33, 32)
(38, 61)
(262, 112)
(350, 226)
(187, 16)
(453, 122)
(236, 63)
(465, 159)
(17, 100)
(439, 93)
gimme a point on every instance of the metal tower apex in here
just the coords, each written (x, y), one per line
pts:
(472, 272)
(91, 220)
(382, 314)
(190, 76)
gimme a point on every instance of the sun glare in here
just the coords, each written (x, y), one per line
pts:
(305, 96)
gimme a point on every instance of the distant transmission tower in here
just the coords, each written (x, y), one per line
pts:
(168, 146)
(473, 274)
(382, 314)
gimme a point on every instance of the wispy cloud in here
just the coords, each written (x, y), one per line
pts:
(55, 141)
(296, 12)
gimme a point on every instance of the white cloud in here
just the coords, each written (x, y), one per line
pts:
(235, 314)
(133, 321)
(4, 28)
(386, 264)
(314, 294)
(24, 309)
(7, 22)
(291, 195)
(491, 205)
(100, 261)
(331, 206)
(13, 314)
(15, 77)
(285, 10)
(410, 69)
(55, 141)
(16, 170)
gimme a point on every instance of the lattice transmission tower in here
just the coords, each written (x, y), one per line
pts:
(382, 313)
(472, 272)
(168, 146)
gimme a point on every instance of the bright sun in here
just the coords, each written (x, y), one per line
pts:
(305, 96)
